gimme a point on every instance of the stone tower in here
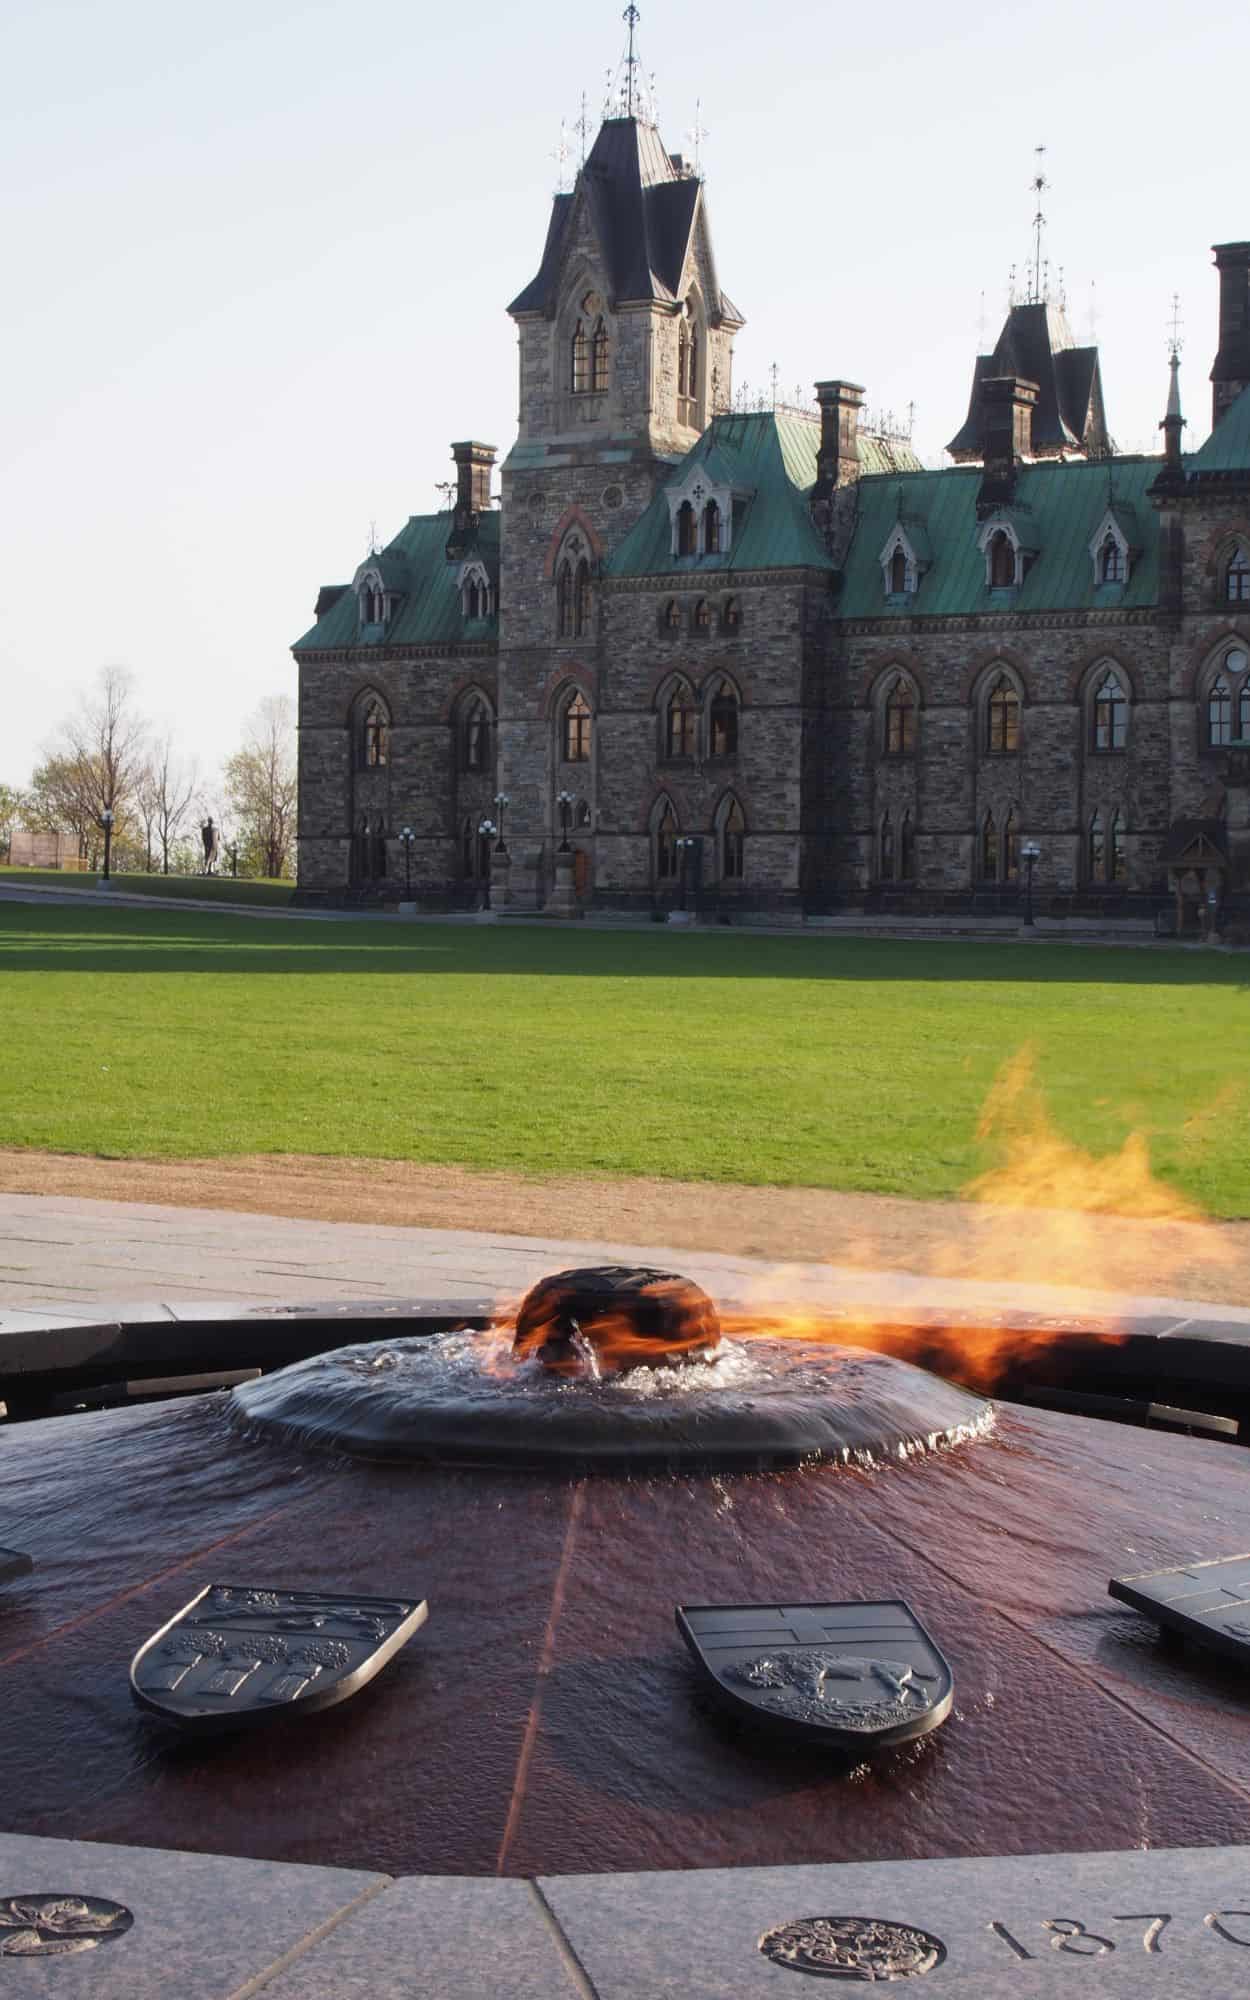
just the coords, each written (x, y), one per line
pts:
(626, 353)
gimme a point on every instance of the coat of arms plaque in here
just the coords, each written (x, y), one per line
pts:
(237, 1654)
(850, 1676)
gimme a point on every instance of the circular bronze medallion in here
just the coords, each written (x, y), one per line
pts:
(49, 1926)
(852, 1948)
(613, 496)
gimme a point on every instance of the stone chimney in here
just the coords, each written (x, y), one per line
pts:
(473, 470)
(838, 460)
(1231, 371)
(1007, 404)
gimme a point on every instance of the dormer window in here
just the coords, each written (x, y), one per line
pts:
(1002, 561)
(898, 573)
(687, 533)
(1237, 578)
(476, 595)
(711, 529)
(372, 602)
(1111, 561)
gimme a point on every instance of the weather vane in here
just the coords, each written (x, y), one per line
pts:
(561, 157)
(697, 134)
(1039, 185)
(1175, 342)
(631, 17)
(582, 128)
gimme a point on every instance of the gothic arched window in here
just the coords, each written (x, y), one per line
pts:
(681, 723)
(887, 848)
(375, 736)
(1011, 848)
(898, 573)
(672, 616)
(1110, 714)
(1243, 712)
(477, 737)
(1002, 561)
(731, 618)
(576, 743)
(582, 606)
(1118, 870)
(711, 529)
(1096, 849)
(989, 848)
(703, 616)
(666, 845)
(907, 848)
(1237, 578)
(1219, 713)
(900, 719)
(564, 600)
(580, 359)
(733, 844)
(687, 532)
(1002, 716)
(599, 358)
(1111, 561)
(724, 721)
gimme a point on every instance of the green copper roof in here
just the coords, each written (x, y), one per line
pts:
(430, 612)
(1057, 509)
(1228, 447)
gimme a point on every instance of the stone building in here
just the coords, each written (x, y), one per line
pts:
(761, 662)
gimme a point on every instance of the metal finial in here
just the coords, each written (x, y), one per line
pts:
(1039, 185)
(561, 158)
(1175, 342)
(582, 128)
(631, 18)
(372, 549)
(773, 375)
(697, 134)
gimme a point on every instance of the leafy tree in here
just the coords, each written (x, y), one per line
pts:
(12, 813)
(261, 787)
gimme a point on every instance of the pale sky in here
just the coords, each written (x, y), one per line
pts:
(257, 258)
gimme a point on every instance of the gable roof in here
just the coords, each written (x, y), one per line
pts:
(1057, 508)
(417, 564)
(644, 214)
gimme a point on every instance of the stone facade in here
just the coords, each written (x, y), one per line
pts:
(841, 681)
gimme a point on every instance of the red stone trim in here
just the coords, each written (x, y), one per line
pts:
(466, 683)
(1002, 656)
(896, 662)
(1221, 542)
(568, 676)
(572, 517)
(369, 684)
(1105, 656)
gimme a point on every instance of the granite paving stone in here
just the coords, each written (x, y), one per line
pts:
(456, 1938)
(1173, 1922)
(205, 1927)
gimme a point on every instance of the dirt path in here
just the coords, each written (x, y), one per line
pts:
(884, 1232)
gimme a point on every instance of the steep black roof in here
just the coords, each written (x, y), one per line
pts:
(1036, 344)
(643, 210)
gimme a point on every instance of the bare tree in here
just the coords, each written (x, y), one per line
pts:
(261, 786)
(13, 807)
(170, 785)
(100, 751)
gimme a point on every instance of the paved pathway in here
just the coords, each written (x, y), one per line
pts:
(65, 1257)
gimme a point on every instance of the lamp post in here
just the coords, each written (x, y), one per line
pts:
(407, 836)
(564, 801)
(1032, 854)
(684, 845)
(106, 821)
(502, 802)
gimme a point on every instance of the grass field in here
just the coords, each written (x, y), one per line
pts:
(841, 1063)
(202, 888)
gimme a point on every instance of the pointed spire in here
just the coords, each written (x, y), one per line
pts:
(1174, 423)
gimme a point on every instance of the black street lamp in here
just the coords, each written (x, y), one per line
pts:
(1032, 854)
(502, 802)
(685, 842)
(407, 836)
(106, 820)
(565, 802)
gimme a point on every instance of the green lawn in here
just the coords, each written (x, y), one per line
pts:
(204, 888)
(841, 1063)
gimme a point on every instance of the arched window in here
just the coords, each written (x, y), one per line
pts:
(372, 604)
(898, 573)
(989, 848)
(1219, 713)
(724, 721)
(582, 602)
(681, 723)
(687, 368)
(711, 529)
(1118, 871)
(887, 848)
(672, 616)
(900, 719)
(576, 742)
(599, 359)
(378, 869)
(692, 371)
(733, 844)
(1096, 849)
(702, 616)
(1110, 714)
(731, 618)
(687, 533)
(1243, 712)
(907, 849)
(564, 600)
(1237, 578)
(1002, 716)
(374, 736)
(477, 737)
(1002, 561)
(666, 845)
(1011, 848)
(1111, 561)
(581, 360)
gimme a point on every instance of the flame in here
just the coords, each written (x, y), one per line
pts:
(1041, 1213)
